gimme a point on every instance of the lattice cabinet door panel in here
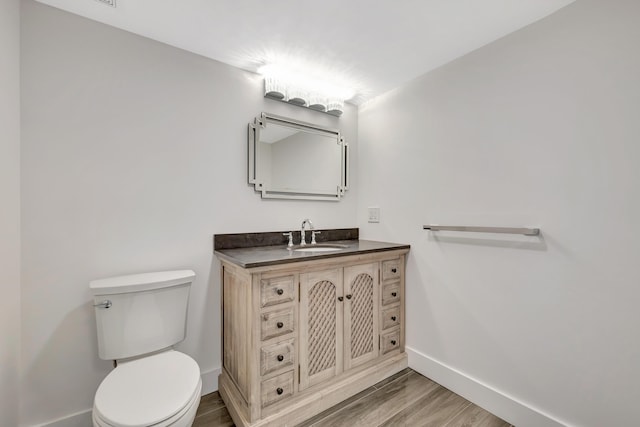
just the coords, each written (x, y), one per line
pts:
(321, 326)
(360, 314)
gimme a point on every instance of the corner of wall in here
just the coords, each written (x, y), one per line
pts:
(10, 211)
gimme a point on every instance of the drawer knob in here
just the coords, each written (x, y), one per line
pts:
(280, 358)
(394, 294)
(394, 270)
(349, 296)
(279, 390)
(279, 325)
(393, 318)
(279, 291)
(340, 299)
(393, 342)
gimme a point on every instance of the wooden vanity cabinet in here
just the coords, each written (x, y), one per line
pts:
(300, 337)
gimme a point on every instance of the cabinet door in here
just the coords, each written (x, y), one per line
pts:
(360, 314)
(321, 321)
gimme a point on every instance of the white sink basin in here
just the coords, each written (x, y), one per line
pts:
(319, 248)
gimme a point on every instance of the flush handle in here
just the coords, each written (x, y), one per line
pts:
(104, 304)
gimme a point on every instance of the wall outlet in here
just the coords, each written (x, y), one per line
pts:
(374, 214)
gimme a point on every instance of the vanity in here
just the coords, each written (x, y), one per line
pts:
(305, 329)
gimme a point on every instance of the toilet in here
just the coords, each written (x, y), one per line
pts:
(139, 318)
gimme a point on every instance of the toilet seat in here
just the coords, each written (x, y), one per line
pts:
(158, 390)
(182, 419)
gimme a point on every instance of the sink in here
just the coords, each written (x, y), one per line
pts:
(318, 248)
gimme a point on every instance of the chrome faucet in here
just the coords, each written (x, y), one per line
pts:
(302, 231)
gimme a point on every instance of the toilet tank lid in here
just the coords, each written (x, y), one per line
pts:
(141, 282)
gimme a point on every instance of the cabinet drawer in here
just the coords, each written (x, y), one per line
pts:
(276, 388)
(276, 290)
(391, 269)
(276, 323)
(390, 317)
(276, 356)
(390, 341)
(390, 293)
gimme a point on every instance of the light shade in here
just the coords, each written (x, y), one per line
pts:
(335, 107)
(274, 88)
(297, 96)
(317, 102)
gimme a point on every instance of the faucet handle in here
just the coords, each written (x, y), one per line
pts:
(290, 235)
(313, 236)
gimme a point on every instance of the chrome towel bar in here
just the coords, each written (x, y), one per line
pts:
(504, 230)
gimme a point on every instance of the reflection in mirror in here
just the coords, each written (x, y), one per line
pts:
(296, 160)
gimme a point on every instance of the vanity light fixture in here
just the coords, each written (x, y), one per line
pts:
(292, 86)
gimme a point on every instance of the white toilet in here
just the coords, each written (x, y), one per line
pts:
(139, 317)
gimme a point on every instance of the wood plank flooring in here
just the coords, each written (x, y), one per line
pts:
(405, 399)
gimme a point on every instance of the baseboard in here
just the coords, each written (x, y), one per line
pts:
(83, 418)
(506, 407)
(210, 381)
(78, 419)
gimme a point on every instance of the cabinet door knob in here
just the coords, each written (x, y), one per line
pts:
(349, 296)
(279, 325)
(340, 299)
(393, 342)
(394, 294)
(393, 318)
(394, 270)
(279, 390)
(280, 358)
(279, 291)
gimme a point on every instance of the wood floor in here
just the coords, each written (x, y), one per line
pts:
(405, 399)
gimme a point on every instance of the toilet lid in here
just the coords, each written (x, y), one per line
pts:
(147, 391)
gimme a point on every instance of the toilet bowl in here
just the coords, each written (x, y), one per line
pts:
(159, 390)
(139, 319)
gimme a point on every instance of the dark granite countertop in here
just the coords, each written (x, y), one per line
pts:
(249, 257)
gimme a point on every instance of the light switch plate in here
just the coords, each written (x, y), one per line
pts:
(374, 214)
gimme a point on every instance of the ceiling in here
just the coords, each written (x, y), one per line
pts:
(370, 47)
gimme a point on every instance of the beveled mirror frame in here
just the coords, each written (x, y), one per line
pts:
(258, 180)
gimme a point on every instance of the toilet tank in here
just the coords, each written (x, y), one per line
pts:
(141, 313)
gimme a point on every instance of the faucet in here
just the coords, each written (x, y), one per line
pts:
(302, 231)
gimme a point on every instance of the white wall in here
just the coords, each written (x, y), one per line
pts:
(537, 129)
(9, 210)
(134, 155)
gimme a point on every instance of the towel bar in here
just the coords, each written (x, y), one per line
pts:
(504, 230)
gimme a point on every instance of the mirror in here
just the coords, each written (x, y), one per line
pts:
(289, 159)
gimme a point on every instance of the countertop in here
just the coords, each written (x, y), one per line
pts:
(279, 254)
